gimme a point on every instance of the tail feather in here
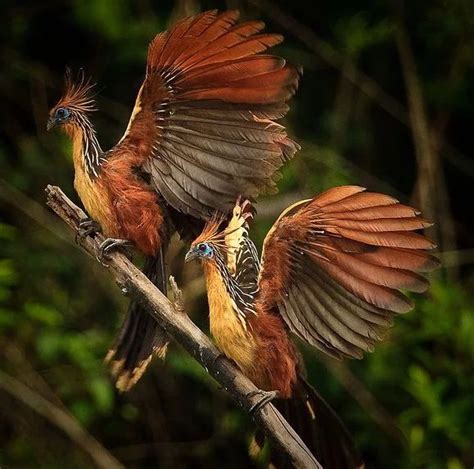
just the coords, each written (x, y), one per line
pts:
(140, 337)
(320, 428)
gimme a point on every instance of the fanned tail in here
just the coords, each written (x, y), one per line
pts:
(140, 338)
(319, 427)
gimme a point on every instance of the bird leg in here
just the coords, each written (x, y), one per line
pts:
(266, 397)
(87, 226)
(111, 244)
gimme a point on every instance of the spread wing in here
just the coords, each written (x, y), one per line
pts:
(204, 116)
(333, 267)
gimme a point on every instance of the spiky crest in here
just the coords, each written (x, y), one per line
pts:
(78, 97)
(213, 232)
(78, 93)
(225, 236)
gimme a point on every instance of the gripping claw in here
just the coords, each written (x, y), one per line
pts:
(111, 244)
(266, 397)
(87, 226)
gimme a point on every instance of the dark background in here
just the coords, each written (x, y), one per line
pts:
(386, 101)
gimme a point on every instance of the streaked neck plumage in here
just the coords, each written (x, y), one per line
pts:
(241, 287)
(86, 148)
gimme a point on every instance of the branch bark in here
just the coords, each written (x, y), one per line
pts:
(62, 419)
(367, 85)
(431, 187)
(191, 338)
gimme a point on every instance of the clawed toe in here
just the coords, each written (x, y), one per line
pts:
(112, 244)
(266, 397)
(86, 227)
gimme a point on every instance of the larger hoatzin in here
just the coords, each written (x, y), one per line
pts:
(331, 273)
(202, 132)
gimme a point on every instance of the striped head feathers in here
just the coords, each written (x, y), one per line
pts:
(77, 101)
(222, 236)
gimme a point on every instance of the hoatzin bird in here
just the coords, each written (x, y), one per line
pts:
(202, 132)
(331, 273)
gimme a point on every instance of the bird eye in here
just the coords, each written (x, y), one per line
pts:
(62, 113)
(202, 247)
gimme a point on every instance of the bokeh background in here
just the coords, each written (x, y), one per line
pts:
(386, 101)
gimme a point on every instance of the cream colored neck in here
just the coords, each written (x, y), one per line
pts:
(78, 150)
(87, 154)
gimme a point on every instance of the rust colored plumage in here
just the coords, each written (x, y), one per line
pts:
(78, 94)
(201, 133)
(338, 264)
(332, 272)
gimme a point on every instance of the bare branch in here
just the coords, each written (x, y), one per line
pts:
(62, 419)
(367, 85)
(431, 187)
(364, 397)
(191, 338)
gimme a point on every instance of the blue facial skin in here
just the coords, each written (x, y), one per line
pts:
(61, 115)
(201, 251)
(204, 250)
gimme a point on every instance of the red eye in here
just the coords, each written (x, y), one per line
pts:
(202, 247)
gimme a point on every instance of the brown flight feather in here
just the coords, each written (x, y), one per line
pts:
(201, 133)
(207, 106)
(333, 267)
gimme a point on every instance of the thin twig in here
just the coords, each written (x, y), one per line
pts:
(190, 337)
(365, 398)
(33, 210)
(366, 84)
(60, 418)
(431, 187)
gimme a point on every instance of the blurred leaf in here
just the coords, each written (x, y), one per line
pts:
(8, 275)
(356, 34)
(49, 345)
(83, 410)
(7, 316)
(102, 392)
(44, 314)
(7, 232)
(417, 435)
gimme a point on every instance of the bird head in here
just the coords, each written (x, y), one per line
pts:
(205, 246)
(76, 101)
(223, 238)
(203, 251)
(59, 116)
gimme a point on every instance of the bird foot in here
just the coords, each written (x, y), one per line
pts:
(112, 244)
(265, 398)
(87, 226)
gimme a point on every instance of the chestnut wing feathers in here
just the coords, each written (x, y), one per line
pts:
(213, 102)
(333, 267)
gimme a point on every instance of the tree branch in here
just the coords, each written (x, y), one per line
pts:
(191, 338)
(62, 419)
(432, 193)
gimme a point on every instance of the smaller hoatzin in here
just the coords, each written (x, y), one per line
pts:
(202, 132)
(331, 273)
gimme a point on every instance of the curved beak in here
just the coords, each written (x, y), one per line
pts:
(52, 122)
(191, 255)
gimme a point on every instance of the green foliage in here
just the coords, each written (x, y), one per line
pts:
(355, 34)
(428, 364)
